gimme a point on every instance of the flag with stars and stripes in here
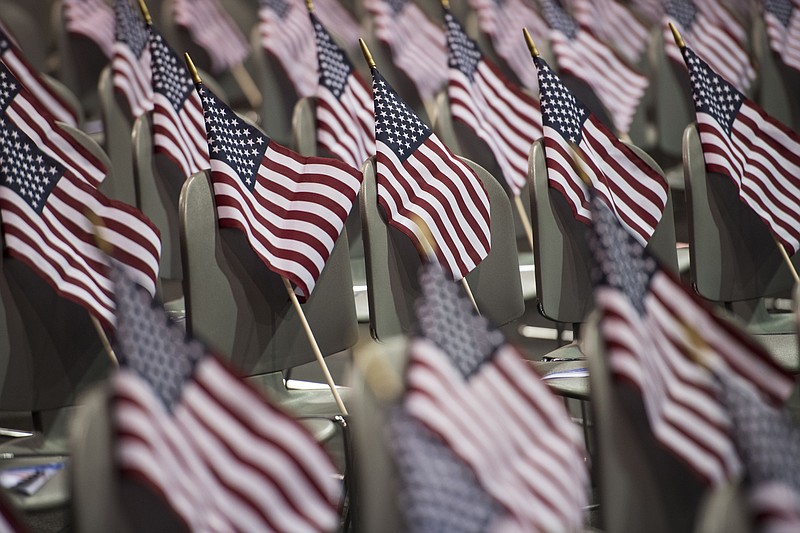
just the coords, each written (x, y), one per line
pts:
(291, 207)
(214, 30)
(782, 21)
(580, 53)
(339, 21)
(714, 34)
(656, 330)
(285, 33)
(209, 443)
(633, 189)
(179, 131)
(652, 11)
(345, 120)
(480, 441)
(768, 443)
(93, 19)
(45, 208)
(130, 64)
(760, 155)
(23, 109)
(45, 97)
(418, 45)
(496, 18)
(506, 118)
(426, 191)
(615, 24)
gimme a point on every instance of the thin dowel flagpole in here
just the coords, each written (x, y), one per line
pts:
(104, 340)
(106, 248)
(292, 296)
(314, 346)
(679, 41)
(247, 85)
(523, 216)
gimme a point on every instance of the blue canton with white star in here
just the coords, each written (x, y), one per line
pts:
(447, 318)
(334, 67)
(396, 124)
(782, 9)
(25, 169)
(129, 28)
(232, 140)
(560, 110)
(711, 93)
(558, 19)
(439, 491)
(9, 87)
(621, 261)
(396, 5)
(150, 343)
(280, 7)
(683, 11)
(170, 76)
(464, 53)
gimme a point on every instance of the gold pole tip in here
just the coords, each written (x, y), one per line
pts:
(145, 13)
(446, 4)
(529, 41)
(367, 54)
(310, 5)
(677, 36)
(192, 69)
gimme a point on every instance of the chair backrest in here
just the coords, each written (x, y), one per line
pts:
(240, 307)
(561, 257)
(776, 83)
(642, 486)
(49, 349)
(392, 262)
(117, 125)
(733, 254)
(158, 183)
(304, 127)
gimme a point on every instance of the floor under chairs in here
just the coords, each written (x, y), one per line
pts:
(735, 261)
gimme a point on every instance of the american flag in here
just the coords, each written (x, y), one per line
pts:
(655, 329)
(23, 109)
(651, 11)
(760, 155)
(339, 21)
(489, 420)
(45, 209)
(31, 79)
(635, 192)
(345, 120)
(782, 20)
(424, 189)
(768, 442)
(506, 118)
(93, 19)
(213, 29)
(502, 21)
(417, 44)
(221, 455)
(286, 34)
(615, 24)
(130, 63)
(179, 130)
(580, 53)
(716, 38)
(292, 208)
(10, 521)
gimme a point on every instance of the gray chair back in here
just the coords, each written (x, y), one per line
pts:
(392, 262)
(304, 126)
(562, 261)
(237, 305)
(117, 124)
(776, 83)
(733, 254)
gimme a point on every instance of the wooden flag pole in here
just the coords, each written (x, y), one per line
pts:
(314, 345)
(104, 340)
(247, 85)
(106, 248)
(788, 260)
(523, 216)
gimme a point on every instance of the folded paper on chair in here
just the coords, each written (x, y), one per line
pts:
(28, 480)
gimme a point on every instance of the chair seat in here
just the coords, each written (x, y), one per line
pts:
(570, 387)
(53, 494)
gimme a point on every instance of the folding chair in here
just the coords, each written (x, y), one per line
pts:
(776, 83)
(237, 305)
(642, 486)
(49, 353)
(392, 263)
(734, 259)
